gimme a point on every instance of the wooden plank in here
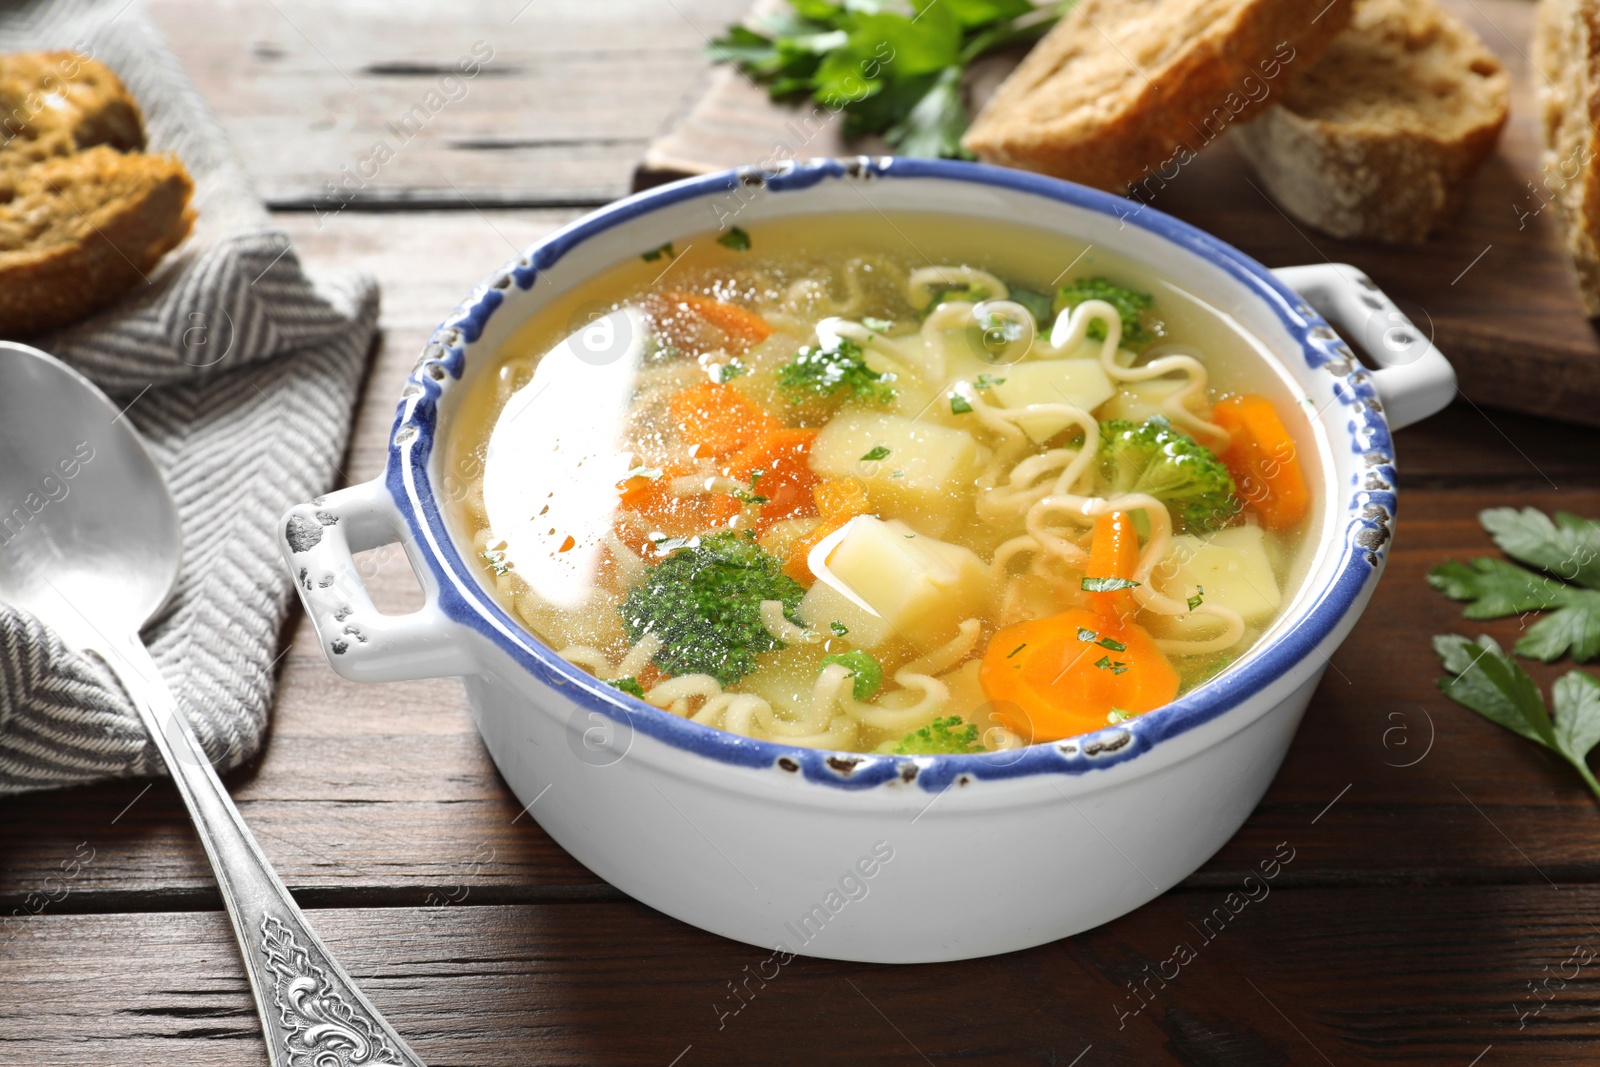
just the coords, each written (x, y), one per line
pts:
(1293, 976)
(1494, 291)
(572, 92)
(372, 794)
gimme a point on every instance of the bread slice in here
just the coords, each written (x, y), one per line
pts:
(55, 103)
(81, 230)
(1377, 139)
(1566, 51)
(1126, 91)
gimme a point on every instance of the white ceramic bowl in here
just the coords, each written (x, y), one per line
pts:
(868, 857)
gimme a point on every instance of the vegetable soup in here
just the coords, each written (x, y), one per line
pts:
(891, 483)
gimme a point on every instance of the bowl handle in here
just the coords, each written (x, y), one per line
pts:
(318, 542)
(1414, 380)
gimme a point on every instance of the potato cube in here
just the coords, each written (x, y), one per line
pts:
(1079, 382)
(883, 579)
(1137, 401)
(912, 468)
(1230, 566)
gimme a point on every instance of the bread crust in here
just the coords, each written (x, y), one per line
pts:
(1367, 145)
(130, 210)
(1121, 88)
(84, 215)
(1566, 51)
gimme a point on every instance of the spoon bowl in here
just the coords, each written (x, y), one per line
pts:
(91, 543)
(87, 517)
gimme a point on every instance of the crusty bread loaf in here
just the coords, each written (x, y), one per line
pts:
(1377, 139)
(1121, 90)
(1566, 51)
(84, 215)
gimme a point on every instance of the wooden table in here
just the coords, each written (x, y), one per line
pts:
(1441, 867)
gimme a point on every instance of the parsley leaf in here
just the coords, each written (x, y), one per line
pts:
(1107, 585)
(1566, 583)
(878, 452)
(892, 73)
(656, 253)
(959, 405)
(736, 239)
(1491, 683)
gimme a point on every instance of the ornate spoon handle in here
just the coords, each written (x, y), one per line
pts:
(312, 1014)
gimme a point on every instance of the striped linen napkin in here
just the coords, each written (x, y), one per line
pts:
(241, 370)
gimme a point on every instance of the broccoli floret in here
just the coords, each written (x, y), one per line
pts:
(827, 372)
(704, 603)
(1151, 457)
(1130, 306)
(941, 737)
(630, 686)
(867, 671)
(971, 294)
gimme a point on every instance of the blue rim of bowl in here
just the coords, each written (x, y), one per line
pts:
(464, 598)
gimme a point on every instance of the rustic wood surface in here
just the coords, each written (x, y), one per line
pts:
(1440, 864)
(1494, 290)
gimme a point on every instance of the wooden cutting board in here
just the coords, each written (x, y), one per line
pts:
(1494, 290)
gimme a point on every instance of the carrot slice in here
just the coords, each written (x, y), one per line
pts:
(1064, 675)
(838, 501)
(741, 328)
(668, 513)
(1263, 461)
(841, 498)
(1113, 553)
(787, 480)
(718, 420)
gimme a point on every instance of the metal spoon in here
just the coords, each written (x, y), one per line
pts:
(90, 544)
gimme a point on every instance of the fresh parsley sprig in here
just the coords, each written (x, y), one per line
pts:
(892, 72)
(1491, 683)
(1561, 576)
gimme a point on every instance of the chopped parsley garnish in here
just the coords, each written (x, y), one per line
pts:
(1014, 651)
(1107, 585)
(876, 325)
(959, 405)
(1198, 598)
(1113, 645)
(630, 686)
(1086, 635)
(830, 372)
(878, 452)
(736, 239)
(987, 381)
(749, 495)
(839, 629)
(656, 253)
(730, 370)
(497, 561)
(1130, 304)
(1106, 663)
